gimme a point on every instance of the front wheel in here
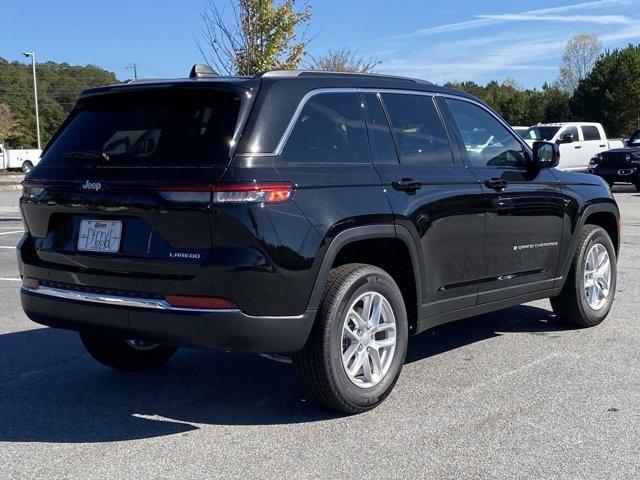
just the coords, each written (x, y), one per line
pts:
(125, 354)
(636, 184)
(588, 292)
(358, 345)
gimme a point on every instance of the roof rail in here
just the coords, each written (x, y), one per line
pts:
(201, 70)
(323, 73)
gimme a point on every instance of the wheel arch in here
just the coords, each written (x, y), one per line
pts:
(357, 245)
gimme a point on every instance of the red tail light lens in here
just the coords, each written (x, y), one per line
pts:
(229, 193)
(187, 301)
(30, 282)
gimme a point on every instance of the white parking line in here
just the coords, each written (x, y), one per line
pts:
(3, 247)
(6, 279)
(11, 232)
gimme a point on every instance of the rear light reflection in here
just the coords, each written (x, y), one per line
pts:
(187, 301)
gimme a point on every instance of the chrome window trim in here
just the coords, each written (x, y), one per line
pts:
(116, 300)
(318, 91)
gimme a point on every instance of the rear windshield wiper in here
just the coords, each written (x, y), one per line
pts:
(86, 155)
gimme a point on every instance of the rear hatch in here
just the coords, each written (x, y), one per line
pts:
(107, 197)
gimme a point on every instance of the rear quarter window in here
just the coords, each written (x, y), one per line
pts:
(329, 129)
(167, 128)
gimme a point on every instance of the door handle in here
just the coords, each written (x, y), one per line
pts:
(577, 146)
(603, 146)
(406, 185)
(496, 184)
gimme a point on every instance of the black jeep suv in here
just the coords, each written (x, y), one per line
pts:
(322, 216)
(619, 165)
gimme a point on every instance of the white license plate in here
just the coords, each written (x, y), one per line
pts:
(99, 236)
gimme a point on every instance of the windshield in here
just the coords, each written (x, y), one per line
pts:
(161, 128)
(635, 138)
(540, 133)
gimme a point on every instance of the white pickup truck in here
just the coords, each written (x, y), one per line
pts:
(579, 141)
(21, 159)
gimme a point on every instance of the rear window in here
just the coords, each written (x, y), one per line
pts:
(167, 128)
(590, 132)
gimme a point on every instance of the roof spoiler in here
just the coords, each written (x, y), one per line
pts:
(201, 70)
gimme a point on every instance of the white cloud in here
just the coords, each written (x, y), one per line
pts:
(517, 44)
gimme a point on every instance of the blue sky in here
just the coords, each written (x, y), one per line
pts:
(437, 40)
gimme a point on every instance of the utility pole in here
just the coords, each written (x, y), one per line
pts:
(133, 66)
(35, 93)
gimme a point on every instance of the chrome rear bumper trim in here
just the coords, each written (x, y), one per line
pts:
(116, 300)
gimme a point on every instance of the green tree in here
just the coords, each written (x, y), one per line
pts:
(609, 93)
(7, 122)
(520, 106)
(255, 36)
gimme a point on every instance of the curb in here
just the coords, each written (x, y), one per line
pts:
(10, 187)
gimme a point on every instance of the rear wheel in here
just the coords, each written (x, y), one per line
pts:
(636, 183)
(356, 350)
(589, 290)
(26, 167)
(124, 354)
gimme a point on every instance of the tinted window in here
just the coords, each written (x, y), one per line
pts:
(330, 128)
(571, 131)
(419, 131)
(487, 141)
(148, 129)
(590, 133)
(540, 133)
(383, 149)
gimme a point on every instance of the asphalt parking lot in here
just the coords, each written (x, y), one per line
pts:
(512, 394)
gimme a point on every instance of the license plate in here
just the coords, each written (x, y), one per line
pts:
(99, 236)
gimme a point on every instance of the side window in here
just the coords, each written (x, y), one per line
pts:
(487, 141)
(419, 131)
(590, 132)
(330, 129)
(571, 131)
(383, 149)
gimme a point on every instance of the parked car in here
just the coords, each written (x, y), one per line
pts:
(520, 130)
(22, 159)
(325, 216)
(579, 142)
(620, 165)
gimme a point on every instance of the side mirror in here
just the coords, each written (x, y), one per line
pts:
(566, 138)
(545, 155)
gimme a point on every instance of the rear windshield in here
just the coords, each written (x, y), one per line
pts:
(165, 128)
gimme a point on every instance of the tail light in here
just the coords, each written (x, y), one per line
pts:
(229, 193)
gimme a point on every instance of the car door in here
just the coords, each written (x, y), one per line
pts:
(524, 208)
(436, 200)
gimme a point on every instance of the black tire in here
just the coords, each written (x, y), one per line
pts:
(636, 184)
(117, 353)
(26, 167)
(319, 367)
(571, 306)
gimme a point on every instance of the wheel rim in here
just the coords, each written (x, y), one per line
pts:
(141, 345)
(368, 339)
(597, 276)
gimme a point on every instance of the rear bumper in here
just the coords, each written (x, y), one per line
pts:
(158, 322)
